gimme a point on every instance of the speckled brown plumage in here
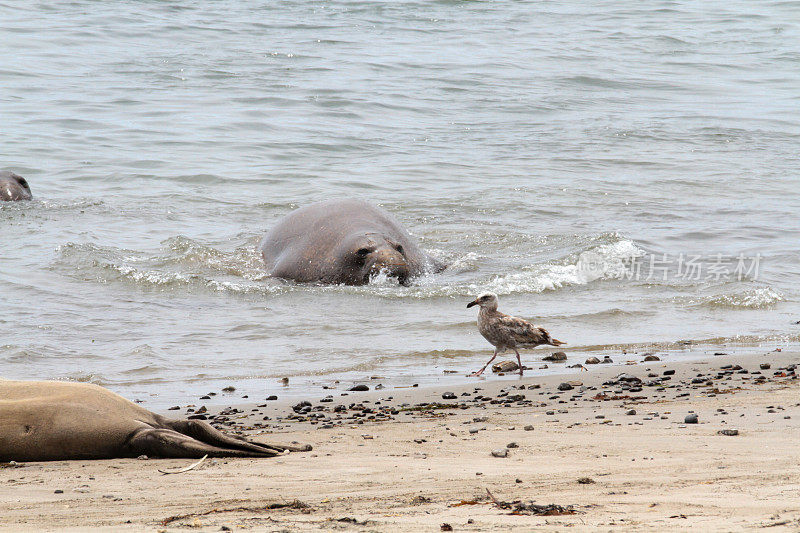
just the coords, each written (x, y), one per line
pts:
(507, 332)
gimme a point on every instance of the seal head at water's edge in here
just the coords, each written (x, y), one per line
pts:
(343, 242)
(56, 421)
(13, 187)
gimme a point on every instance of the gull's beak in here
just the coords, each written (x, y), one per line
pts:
(474, 302)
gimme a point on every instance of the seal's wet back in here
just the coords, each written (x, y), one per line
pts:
(343, 242)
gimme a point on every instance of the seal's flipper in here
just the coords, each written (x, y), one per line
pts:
(157, 442)
(204, 432)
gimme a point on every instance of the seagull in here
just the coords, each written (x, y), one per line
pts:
(504, 331)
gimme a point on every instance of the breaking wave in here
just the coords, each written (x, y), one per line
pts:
(753, 298)
(185, 263)
(607, 261)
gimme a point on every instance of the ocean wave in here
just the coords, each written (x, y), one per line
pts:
(186, 263)
(606, 261)
(752, 298)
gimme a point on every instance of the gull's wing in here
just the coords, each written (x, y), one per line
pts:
(524, 332)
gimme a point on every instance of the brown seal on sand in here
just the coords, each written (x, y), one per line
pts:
(54, 420)
(343, 242)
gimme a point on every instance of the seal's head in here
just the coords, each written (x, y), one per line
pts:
(13, 187)
(487, 300)
(371, 254)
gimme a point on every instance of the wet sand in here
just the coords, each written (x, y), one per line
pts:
(618, 452)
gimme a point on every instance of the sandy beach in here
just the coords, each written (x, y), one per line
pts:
(609, 452)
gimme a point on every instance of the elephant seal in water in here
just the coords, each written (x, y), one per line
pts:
(343, 241)
(54, 421)
(13, 187)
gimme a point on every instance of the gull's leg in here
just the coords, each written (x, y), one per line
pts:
(519, 361)
(479, 372)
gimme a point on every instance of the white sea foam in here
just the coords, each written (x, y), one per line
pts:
(607, 261)
(752, 298)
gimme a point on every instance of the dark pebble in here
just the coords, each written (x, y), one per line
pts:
(448, 396)
(690, 419)
(358, 388)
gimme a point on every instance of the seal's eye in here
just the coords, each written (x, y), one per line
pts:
(22, 182)
(363, 251)
(399, 248)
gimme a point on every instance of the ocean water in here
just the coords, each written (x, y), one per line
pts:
(625, 174)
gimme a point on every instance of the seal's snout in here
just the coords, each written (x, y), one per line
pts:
(392, 262)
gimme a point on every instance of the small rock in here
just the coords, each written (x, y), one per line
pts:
(505, 366)
(556, 356)
(448, 396)
(501, 452)
(630, 412)
(764, 366)
(592, 361)
(585, 480)
(606, 360)
(690, 419)
(58, 491)
(446, 527)
(512, 445)
(651, 358)
(565, 386)
(669, 372)
(728, 432)
(143, 458)
(271, 398)
(358, 388)
(529, 427)
(229, 389)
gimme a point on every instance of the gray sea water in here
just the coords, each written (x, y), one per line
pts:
(623, 173)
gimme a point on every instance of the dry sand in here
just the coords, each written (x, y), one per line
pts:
(422, 468)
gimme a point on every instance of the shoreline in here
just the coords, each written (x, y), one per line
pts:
(416, 466)
(451, 373)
